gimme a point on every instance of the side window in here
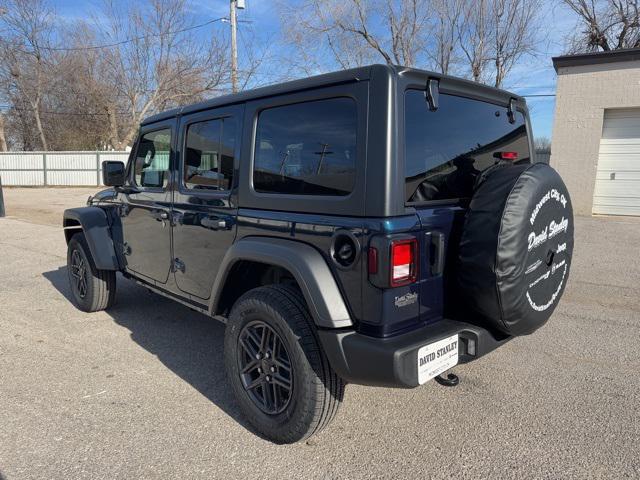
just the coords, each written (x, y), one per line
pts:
(307, 148)
(152, 159)
(209, 154)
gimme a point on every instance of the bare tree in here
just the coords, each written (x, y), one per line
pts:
(165, 64)
(20, 132)
(90, 85)
(81, 102)
(448, 15)
(137, 59)
(542, 143)
(24, 55)
(408, 21)
(354, 32)
(515, 33)
(318, 43)
(495, 34)
(605, 25)
(488, 36)
(474, 37)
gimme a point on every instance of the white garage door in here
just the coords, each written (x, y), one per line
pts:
(617, 189)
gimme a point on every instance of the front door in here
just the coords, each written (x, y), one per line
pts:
(146, 208)
(204, 209)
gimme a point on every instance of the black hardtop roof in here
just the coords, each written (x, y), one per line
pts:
(333, 78)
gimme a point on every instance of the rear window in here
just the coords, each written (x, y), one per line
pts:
(307, 148)
(446, 150)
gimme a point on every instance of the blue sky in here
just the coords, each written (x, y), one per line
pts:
(530, 77)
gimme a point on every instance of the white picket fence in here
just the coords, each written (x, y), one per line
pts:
(55, 168)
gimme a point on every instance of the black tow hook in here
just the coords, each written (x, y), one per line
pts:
(452, 380)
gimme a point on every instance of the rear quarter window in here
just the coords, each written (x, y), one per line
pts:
(446, 150)
(307, 148)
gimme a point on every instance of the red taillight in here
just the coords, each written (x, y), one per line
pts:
(403, 262)
(508, 155)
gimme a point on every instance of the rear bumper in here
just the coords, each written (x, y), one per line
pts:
(392, 362)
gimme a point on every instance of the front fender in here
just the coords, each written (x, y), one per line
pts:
(307, 266)
(94, 224)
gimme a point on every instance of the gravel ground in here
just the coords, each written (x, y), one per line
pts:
(43, 205)
(140, 391)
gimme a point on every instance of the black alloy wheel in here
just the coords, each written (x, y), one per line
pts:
(265, 367)
(279, 374)
(92, 289)
(78, 269)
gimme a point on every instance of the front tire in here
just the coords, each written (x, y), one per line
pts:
(279, 374)
(92, 289)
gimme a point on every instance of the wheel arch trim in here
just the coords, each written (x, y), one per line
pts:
(94, 224)
(308, 267)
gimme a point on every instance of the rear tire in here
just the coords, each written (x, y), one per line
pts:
(297, 361)
(92, 289)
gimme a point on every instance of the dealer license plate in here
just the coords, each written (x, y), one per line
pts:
(437, 357)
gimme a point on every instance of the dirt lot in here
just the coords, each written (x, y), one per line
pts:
(140, 391)
(44, 205)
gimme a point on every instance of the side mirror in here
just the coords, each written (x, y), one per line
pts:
(113, 173)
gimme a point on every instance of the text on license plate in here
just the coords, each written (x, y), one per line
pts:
(437, 357)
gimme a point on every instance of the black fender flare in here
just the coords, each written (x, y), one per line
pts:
(306, 264)
(95, 226)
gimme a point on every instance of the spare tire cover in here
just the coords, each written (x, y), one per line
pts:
(516, 247)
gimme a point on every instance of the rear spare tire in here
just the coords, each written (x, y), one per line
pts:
(516, 247)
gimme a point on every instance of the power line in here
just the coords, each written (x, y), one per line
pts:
(134, 39)
(540, 95)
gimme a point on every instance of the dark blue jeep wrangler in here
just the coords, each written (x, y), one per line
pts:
(375, 226)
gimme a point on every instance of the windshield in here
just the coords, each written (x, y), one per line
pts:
(446, 150)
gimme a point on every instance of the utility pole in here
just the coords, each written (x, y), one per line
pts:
(234, 46)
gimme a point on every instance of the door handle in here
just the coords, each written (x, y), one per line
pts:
(161, 216)
(214, 223)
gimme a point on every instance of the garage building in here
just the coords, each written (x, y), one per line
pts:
(596, 131)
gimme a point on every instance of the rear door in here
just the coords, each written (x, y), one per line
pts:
(445, 152)
(145, 211)
(205, 207)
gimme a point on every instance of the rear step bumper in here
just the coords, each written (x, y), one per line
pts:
(392, 362)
